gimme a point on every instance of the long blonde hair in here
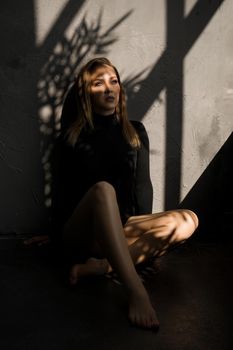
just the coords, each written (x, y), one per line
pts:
(84, 106)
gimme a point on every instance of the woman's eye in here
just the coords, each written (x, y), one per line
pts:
(115, 81)
(97, 83)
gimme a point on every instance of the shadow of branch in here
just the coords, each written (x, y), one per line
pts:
(58, 74)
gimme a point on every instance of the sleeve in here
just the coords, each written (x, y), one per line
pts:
(60, 186)
(69, 110)
(143, 184)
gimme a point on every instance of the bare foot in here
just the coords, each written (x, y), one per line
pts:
(141, 312)
(91, 267)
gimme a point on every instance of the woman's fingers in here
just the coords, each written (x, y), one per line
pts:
(37, 240)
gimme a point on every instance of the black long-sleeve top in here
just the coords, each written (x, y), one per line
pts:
(102, 154)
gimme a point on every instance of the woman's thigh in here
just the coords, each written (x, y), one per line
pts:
(78, 237)
(178, 224)
(79, 233)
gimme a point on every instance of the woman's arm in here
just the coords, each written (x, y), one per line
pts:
(144, 189)
(62, 182)
(69, 110)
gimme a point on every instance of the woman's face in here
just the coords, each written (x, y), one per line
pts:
(104, 90)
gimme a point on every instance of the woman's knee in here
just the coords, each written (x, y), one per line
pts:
(194, 217)
(186, 224)
(180, 225)
(103, 190)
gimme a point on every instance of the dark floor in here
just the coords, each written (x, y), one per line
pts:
(192, 292)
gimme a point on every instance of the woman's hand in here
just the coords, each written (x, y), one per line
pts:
(37, 240)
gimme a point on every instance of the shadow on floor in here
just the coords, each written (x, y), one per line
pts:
(192, 293)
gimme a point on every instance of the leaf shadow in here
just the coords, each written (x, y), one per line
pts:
(57, 76)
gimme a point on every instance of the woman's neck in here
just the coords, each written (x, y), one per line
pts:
(100, 119)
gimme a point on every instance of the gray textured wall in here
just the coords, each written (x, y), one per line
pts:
(175, 58)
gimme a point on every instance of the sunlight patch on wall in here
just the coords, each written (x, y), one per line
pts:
(46, 14)
(155, 123)
(188, 6)
(208, 100)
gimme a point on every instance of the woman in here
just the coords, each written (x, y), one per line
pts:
(103, 198)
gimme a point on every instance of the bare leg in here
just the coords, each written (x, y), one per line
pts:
(98, 214)
(152, 235)
(147, 236)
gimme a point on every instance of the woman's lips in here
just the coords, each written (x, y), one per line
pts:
(109, 98)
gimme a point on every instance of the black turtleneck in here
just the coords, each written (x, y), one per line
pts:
(103, 154)
(105, 120)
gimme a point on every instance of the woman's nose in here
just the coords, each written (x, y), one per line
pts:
(107, 87)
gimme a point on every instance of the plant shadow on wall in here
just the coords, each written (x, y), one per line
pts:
(57, 76)
(58, 73)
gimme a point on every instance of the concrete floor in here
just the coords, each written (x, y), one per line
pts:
(192, 292)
